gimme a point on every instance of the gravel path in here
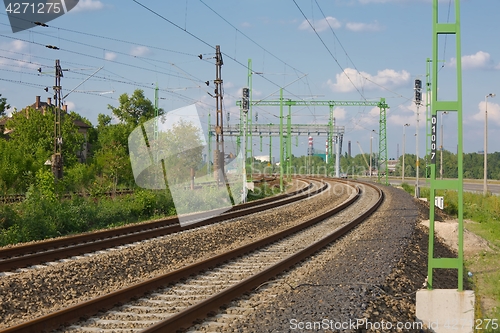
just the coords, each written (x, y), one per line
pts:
(34, 293)
(371, 274)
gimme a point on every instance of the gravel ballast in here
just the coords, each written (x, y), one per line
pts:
(368, 277)
(36, 292)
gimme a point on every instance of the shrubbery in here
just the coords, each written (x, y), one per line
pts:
(40, 216)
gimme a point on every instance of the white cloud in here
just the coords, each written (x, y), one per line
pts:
(88, 5)
(11, 59)
(339, 113)
(321, 25)
(140, 51)
(386, 78)
(361, 27)
(480, 60)
(110, 56)
(246, 25)
(71, 106)
(493, 112)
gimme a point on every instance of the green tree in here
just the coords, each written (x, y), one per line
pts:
(15, 168)
(33, 135)
(135, 109)
(183, 145)
(3, 105)
(113, 163)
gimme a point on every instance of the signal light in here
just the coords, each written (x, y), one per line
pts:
(418, 96)
(418, 84)
(245, 101)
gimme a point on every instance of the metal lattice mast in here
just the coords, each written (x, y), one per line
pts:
(289, 144)
(428, 118)
(450, 106)
(281, 140)
(382, 143)
(219, 172)
(210, 134)
(250, 116)
(381, 104)
(330, 136)
(156, 113)
(57, 158)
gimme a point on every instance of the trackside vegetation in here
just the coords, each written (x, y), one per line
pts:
(484, 211)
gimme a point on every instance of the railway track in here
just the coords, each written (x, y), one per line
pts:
(203, 289)
(17, 257)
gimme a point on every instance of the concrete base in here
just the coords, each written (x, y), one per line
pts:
(446, 310)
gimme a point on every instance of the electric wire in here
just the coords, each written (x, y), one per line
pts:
(328, 49)
(113, 39)
(203, 41)
(95, 57)
(349, 58)
(250, 39)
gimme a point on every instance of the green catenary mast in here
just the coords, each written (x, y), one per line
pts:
(450, 106)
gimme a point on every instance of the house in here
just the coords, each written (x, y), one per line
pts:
(43, 107)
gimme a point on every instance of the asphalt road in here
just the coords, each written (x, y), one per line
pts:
(468, 186)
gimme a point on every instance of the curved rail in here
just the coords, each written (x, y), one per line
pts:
(200, 310)
(37, 253)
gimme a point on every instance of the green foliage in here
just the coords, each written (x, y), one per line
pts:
(33, 135)
(3, 105)
(408, 188)
(45, 186)
(135, 109)
(40, 216)
(13, 168)
(113, 163)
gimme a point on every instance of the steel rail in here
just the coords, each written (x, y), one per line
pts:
(105, 302)
(37, 253)
(187, 317)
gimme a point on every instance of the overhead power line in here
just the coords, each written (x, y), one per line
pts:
(112, 39)
(206, 43)
(328, 49)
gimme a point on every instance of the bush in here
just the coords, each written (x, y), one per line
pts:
(43, 216)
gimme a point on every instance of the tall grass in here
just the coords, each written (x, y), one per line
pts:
(40, 216)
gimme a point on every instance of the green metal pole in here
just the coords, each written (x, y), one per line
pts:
(270, 153)
(382, 147)
(281, 140)
(270, 145)
(156, 113)
(209, 146)
(250, 117)
(450, 106)
(460, 153)
(289, 144)
(330, 137)
(428, 125)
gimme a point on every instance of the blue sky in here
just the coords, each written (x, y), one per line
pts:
(374, 49)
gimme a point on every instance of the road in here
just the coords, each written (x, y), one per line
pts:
(469, 186)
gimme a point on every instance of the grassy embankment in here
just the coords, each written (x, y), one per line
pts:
(44, 215)
(484, 211)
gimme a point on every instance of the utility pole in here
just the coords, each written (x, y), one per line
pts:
(418, 102)
(245, 106)
(57, 157)
(219, 173)
(404, 143)
(485, 180)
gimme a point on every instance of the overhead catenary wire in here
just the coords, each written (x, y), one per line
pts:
(204, 42)
(113, 39)
(328, 49)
